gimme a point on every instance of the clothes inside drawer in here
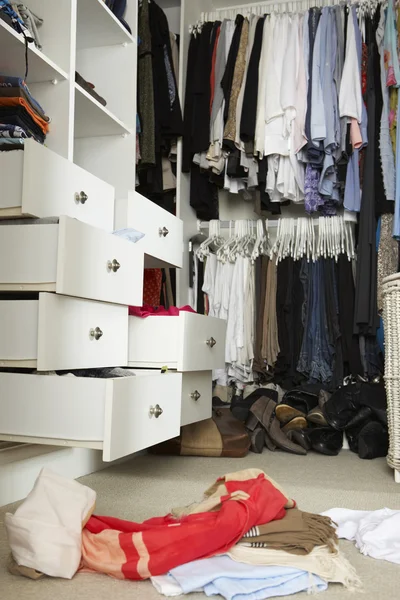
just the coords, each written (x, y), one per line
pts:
(163, 241)
(118, 416)
(39, 183)
(57, 332)
(71, 258)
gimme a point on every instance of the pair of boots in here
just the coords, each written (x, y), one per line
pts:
(287, 425)
(302, 416)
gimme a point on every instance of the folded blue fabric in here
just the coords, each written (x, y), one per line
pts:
(132, 235)
(237, 581)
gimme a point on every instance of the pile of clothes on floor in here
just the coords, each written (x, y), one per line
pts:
(310, 418)
(21, 116)
(246, 539)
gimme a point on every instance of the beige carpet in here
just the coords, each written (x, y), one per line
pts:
(149, 486)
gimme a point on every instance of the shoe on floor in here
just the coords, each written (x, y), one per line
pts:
(240, 406)
(296, 403)
(296, 423)
(317, 417)
(373, 440)
(326, 440)
(300, 437)
(264, 410)
(257, 439)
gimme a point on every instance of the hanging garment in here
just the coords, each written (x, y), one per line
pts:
(253, 20)
(386, 148)
(388, 255)
(145, 87)
(346, 298)
(167, 110)
(238, 74)
(366, 316)
(289, 303)
(249, 109)
(376, 533)
(270, 342)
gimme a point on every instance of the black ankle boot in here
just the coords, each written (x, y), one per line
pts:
(326, 440)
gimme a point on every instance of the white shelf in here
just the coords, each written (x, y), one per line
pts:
(98, 26)
(92, 119)
(12, 58)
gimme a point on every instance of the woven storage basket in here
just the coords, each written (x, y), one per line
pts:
(391, 318)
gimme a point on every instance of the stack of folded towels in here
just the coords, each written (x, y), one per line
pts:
(246, 540)
(21, 116)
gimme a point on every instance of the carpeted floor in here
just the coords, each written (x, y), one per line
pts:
(149, 486)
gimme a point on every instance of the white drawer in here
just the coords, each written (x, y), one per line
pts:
(38, 182)
(57, 333)
(117, 416)
(71, 258)
(163, 241)
(196, 397)
(189, 342)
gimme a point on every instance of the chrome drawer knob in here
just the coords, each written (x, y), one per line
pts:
(113, 265)
(163, 232)
(81, 197)
(156, 411)
(96, 334)
(211, 342)
(195, 395)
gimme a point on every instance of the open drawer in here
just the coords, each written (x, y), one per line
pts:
(118, 416)
(59, 333)
(188, 342)
(163, 240)
(71, 258)
(37, 182)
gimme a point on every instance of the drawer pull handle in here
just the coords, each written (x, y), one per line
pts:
(163, 232)
(156, 411)
(195, 395)
(81, 197)
(211, 342)
(96, 334)
(113, 265)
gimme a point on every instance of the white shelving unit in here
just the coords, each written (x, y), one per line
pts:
(83, 36)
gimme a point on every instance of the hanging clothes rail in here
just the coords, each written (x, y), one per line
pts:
(259, 8)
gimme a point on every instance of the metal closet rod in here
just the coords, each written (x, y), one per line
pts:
(279, 3)
(271, 223)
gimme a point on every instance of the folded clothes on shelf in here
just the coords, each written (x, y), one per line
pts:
(17, 115)
(31, 21)
(21, 116)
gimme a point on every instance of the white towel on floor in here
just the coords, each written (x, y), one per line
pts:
(235, 581)
(45, 533)
(376, 533)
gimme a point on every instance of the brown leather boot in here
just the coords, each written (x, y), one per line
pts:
(264, 410)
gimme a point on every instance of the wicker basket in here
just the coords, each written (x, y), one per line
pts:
(391, 318)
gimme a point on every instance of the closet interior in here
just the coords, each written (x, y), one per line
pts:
(286, 187)
(254, 147)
